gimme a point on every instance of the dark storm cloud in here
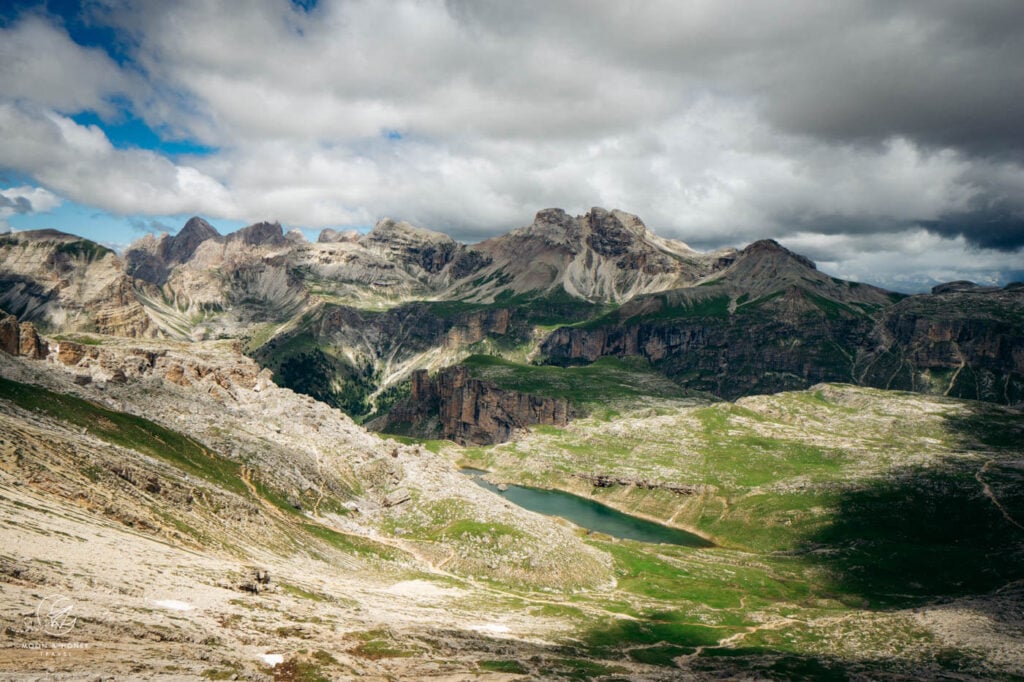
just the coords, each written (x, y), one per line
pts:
(944, 74)
(19, 205)
(988, 223)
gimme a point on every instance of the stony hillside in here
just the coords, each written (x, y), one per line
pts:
(204, 522)
(149, 480)
(63, 282)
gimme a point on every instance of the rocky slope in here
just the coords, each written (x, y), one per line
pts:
(63, 282)
(201, 522)
(601, 256)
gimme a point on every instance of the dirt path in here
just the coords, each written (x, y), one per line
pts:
(987, 490)
(247, 482)
(731, 640)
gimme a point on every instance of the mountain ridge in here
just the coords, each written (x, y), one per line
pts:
(364, 312)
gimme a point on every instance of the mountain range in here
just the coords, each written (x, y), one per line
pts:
(349, 318)
(189, 464)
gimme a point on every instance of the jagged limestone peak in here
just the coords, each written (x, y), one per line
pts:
(388, 229)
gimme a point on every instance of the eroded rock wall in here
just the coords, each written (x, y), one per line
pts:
(472, 411)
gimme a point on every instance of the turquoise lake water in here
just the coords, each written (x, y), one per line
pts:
(591, 515)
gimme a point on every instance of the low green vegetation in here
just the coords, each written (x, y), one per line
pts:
(607, 381)
(498, 666)
(662, 307)
(128, 431)
(83, 248)
(380, 643)
(835, 511)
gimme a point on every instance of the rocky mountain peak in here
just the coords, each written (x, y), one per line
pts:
(261, 234)
(772, 249)
(612, 233)
(180, 247)
(609, 233)
(413, 246)
(329, 236)
(197, 228)
(388, 229)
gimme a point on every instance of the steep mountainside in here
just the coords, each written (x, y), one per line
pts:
(63, 282)
(349, 318)
(769, 321)
(963, 341)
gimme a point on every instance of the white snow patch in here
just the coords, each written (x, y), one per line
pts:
(272, 659)
(420, 588)
(173, 604)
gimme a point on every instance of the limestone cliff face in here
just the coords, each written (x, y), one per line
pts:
(781, 344)
(967, 344)
(10, 335)
(471, 411)
(962, 340)
(31, 345)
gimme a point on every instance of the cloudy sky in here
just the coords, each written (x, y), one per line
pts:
(883, 139)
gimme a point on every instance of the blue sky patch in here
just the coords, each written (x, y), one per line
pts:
(114, 231)
(133, 132)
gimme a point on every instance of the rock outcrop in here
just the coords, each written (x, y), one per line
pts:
(469, 410)
(610, 481)
(10, 334)
(261, 234)
(329, 236)
(31, 345)
(21, 338)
